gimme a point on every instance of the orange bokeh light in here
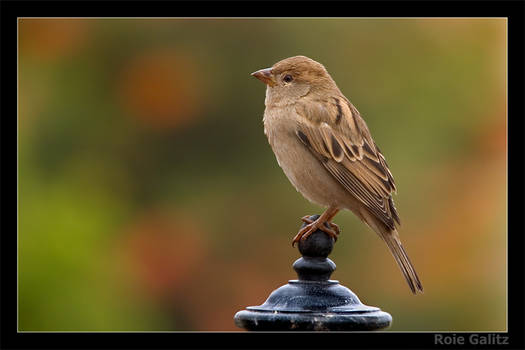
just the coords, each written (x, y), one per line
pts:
(51, 39)
(161, 88)
(162, 252)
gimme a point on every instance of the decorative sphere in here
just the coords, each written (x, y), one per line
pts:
(318, 244)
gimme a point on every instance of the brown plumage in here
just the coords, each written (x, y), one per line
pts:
(327, 152)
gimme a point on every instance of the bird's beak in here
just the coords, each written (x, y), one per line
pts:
(265, 75)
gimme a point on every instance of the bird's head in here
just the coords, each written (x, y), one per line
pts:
(294, 77)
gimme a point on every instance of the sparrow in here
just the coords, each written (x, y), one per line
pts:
(324, 147)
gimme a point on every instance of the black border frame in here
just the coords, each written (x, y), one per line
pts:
(11, 10)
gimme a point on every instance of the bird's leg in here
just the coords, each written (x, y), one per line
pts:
(319, 224)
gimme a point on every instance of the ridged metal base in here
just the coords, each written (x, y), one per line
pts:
(312, 306)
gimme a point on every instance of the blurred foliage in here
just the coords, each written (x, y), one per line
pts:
(150, 200)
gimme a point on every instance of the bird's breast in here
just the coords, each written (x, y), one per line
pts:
(302, 168)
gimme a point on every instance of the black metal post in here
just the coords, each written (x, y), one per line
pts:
(313, 302)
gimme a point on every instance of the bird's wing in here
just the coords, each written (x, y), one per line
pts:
(336, 134)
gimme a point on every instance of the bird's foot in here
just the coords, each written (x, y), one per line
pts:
(328, 227)
(333, 226)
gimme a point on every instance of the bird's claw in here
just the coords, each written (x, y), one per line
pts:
(328, 227)
(307, 219)
(335, 228)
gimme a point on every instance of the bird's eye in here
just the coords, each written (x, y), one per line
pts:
(287, 78)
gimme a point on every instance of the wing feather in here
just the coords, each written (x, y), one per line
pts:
(342, 142)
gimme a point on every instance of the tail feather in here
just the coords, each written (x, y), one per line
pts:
(394, 243)
(391, 238)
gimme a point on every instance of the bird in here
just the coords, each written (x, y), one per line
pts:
(324, 147)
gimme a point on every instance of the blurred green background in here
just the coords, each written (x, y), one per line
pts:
(150, 199)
